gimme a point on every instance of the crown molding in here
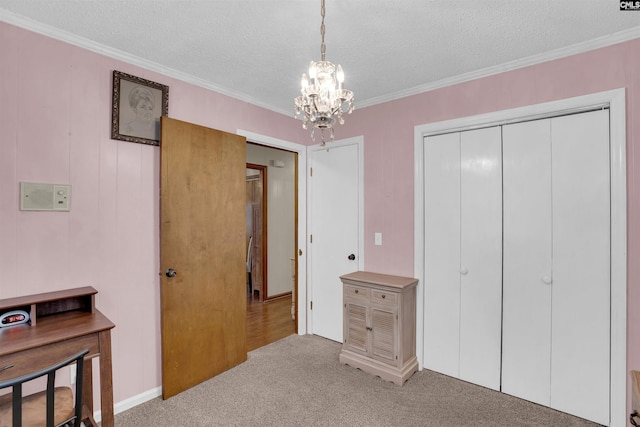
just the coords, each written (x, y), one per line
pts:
(119, 55)
(615, 38)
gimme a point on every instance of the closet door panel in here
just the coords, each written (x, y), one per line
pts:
(481, 256)
(442, 253)
(580, 346)
(527, 268)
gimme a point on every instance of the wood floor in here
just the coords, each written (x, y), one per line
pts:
(268, 322)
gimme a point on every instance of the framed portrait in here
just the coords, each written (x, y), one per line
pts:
(137, 107)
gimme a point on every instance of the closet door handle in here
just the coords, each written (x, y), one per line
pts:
(548, 280)
(464, 271)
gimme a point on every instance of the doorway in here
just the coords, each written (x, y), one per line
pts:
(271, 218)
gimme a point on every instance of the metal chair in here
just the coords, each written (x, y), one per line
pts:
(52, 407)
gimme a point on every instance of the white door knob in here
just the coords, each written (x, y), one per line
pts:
(464, 271)
(547, 280)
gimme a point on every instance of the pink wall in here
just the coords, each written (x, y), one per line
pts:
(55, 115)
(54, 127)
(389, 142)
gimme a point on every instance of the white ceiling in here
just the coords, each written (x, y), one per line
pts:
(256, 50)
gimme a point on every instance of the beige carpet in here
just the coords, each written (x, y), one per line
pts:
(298, 381)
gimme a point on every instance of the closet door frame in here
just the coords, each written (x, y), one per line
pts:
(615, 101)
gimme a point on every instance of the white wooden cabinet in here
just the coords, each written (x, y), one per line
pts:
(379, 325)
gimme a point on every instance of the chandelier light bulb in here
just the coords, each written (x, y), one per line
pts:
(304, 82)
(313, 71)
(339, 76)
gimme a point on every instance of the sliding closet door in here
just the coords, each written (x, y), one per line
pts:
(480, 256)
(442, 253)
(527, 270)
(580, 346)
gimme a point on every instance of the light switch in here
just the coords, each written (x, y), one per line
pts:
(378, 239)
(61, 196)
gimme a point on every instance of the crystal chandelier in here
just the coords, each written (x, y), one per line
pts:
(323, 96)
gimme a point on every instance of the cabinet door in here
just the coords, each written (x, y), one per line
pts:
(480, 266)
(383, 334)
(527, 273)
(442, 253)
(355, 328)
(580, 345)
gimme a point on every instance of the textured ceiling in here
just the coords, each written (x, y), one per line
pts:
(256, 50)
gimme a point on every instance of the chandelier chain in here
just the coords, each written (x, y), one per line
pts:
(322, 46)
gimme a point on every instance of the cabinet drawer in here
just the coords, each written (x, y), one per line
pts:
(381, 297)
(356, 292)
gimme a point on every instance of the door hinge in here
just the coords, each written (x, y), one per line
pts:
(310, 171)
(311, 306)
(310, 238)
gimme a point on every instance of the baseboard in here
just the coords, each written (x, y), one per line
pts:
(131, 402)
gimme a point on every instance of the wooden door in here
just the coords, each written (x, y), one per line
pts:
(481, 256)
(203, 307)
(257, 252)
(335, 227)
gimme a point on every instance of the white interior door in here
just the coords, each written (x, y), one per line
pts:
(442, 253)
(580, 343)
(335, 190)
(480, 256)
(527, 268)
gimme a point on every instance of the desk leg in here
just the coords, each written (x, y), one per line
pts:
(106, 380)
(87, 389)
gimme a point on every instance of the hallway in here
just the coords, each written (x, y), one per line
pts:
(268, 322)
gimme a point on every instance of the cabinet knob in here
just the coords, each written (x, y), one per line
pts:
(352, 257)
(383, 296)
(369, 328)
(356, 291)
(170, 272)
(464, 271)
(548, 280)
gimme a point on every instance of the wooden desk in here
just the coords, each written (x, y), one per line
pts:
(62, 323)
